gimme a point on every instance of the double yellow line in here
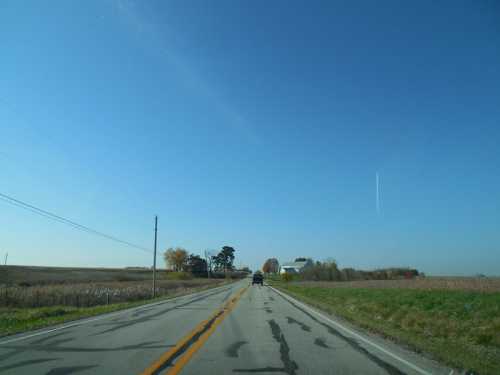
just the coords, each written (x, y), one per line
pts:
(184, 350)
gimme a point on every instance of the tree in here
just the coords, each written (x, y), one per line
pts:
(224, 260)
(209, 260)
(176, 258)
(271, 266)
(197, 265)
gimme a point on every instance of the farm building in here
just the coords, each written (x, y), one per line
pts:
(296, 266)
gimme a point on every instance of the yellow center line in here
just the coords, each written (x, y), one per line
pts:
(191, 343)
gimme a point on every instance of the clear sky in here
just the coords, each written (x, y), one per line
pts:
(255, 124)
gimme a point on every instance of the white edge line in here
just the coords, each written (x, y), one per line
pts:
(103, 316)
(352, 333)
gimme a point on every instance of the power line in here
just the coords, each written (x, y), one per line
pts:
(49, 215)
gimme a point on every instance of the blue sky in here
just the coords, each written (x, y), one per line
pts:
(259, 125)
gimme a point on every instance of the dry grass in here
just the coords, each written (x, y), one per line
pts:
(487, 285)
(31, 275)
(94, 294)
(15, 320)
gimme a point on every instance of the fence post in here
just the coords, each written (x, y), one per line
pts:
(107, 297)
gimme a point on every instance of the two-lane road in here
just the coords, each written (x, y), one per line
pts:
(228, 330)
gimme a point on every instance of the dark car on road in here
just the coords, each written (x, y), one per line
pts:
(258, 278)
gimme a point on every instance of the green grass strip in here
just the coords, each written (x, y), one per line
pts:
(458, 328)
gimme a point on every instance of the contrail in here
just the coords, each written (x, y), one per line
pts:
(377, 192)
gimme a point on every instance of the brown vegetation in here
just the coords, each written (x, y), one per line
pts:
(31, 275)
(97, 293)
(425, 283)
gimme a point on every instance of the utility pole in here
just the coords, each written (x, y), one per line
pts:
(154, 258)
(6, 256)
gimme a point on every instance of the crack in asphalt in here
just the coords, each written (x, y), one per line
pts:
(353, 343)
(43, 339)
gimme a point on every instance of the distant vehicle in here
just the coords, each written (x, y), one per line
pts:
(258, 278)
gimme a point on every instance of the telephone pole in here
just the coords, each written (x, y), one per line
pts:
(154, 258)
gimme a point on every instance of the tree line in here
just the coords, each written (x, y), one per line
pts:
(329, 270)
(180, 260)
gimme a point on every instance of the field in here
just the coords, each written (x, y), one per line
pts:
(30, 275)
(94, 294)
(34, 297)
(27, 287)
(485, 284)
(454, 320)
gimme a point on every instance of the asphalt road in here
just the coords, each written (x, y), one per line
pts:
(234, 329)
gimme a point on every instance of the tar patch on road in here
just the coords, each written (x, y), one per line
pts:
(232, 350)
(56, 343)
(303, 326)
(289, 366)
(320, 342)
(115, 326)
(69, 370)
(26, 363)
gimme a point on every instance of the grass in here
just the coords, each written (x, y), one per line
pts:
(473, 284)
(459, 328)
(17, 320)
